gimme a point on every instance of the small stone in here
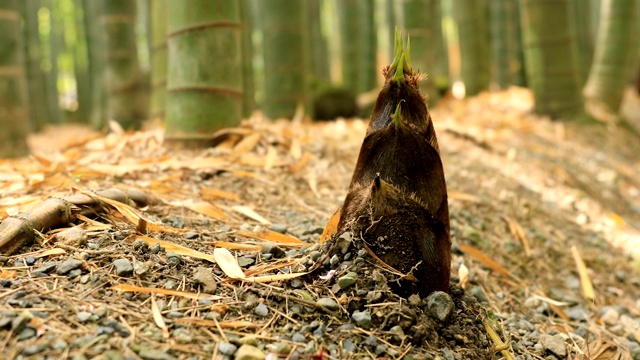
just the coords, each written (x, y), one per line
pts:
(30, 260)
(154, 354)
(532, 302)
(248, 352)
(249, 340)
(245, 261)
(140, 246)
(381, 349)
(415, 300)
(124, 268)
(227, 348)
(328, 303)
(105, 330)
(273, 249)
(397, 332)
(440, 305)
(315, 255)
(261, 310)
(35, 349)
(175, 314)
(155, 248)
(26, 333)
(84, 316)
(68, 265)
(611, 316)
(362, 318)
(371, 340)
(344, 241)
(578, 313)
(299, 338)
(282, 229)
(191, 235)
(296, 283)
(174, 259)
(334, 260)
(171, 284)
(60, 344)
(479, 294)
(554, 343)
(204, 276)
(348, 346)
(347, 280)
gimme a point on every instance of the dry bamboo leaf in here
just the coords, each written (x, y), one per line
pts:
(228, 263)
(157, 318)
(8, 275)
(463, 275)
(518, 233)
(265, 268)
(231, 324)
(177, 249)
(331, 227)
(211, 194)
(300, 164)
(245, 145)
(205, 208)
(481, 257)
(272, 278)
(233, 246)
(250, 213)
(184, 294)
(133, 215)
(244, 173)
(454, 195)
(295, 150)
(585, 282)
(48, 252)
(274, 237)
(270, 158)
(560, 312)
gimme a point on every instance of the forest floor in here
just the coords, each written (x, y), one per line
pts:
(545, 223)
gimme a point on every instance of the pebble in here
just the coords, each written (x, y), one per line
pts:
(362, 318)
(191, 235)
(343, 242)
(282, 229)
(68, 265)
(334, 260)
(397, 332)
(35, 349)
(347, 280)
(532, 302)
(554, 343)
(84, 316)
(297, 337)
(315, 255)
(60, 344)
(273, 249)
(124, 268)
(328, 303)
(26, 333)
(348, 346)
(611, 316)
(371, 340)
(30, 260)
(140, 268)
(154, 354)
(261, 310)
(440, 305)
(249, 340)
(249, 352)
(171, 284)
(245, 261)
(173, 259)
(204, 276)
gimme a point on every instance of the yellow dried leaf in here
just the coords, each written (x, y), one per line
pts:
(205, 208)
(585, 282)
(331, 227)
(158, 319)
(518, 233)
(233, 246)
(250, 213)
(184, 294)
(211, 194)
(245, 145)
(231, 324)
(484, 259)
(270, 158)
(272, 278)
(274, 237)
(228, 263)
(301, 163)
(177, 249)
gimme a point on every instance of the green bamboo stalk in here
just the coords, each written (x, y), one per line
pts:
(358, 44)
(38, 114)
(123, 77)
(204, 82)
(13, 117)
(505, 43)
(551, 57)
(475, 66)
(615, 54)
(159, 59)
(81, 61)
(283, 46)
(248, 84)
(582, 14)
(318, 50)
(50, 58)
(96, 54)
(420, 20)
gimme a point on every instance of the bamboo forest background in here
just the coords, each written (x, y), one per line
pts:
(198, 65)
